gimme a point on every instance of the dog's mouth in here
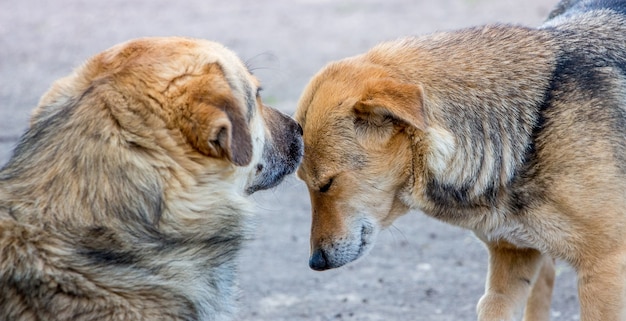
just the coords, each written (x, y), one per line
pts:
(367, 236)
(341, 253)
(266, 179)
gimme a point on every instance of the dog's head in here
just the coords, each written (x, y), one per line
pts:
(358, 122)
(190, 100)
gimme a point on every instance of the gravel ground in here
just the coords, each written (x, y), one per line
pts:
(419, 270)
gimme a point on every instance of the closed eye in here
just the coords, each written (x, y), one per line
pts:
(326, 186)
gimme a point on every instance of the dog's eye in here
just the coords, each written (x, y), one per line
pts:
(258, 91)
(326, 186)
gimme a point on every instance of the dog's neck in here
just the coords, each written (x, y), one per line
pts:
(482, 103)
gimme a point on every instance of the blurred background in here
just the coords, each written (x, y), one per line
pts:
(420, 269)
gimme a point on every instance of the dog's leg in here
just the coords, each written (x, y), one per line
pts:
(512, 272)
(602, 288)
(538, 305)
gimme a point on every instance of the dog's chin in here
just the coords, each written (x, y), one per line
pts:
(271, 177)
(278, 161)
(264, 183)
(345, 251)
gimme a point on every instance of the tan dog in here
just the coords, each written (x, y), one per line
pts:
(125, 199)
(518, 134)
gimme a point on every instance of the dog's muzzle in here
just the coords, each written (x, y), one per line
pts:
(343, 251)
(282, 152)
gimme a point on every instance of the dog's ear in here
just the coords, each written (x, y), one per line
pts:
(388, 99)
(218, 128)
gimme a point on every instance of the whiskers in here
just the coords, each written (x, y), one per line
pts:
(254, 63)
(393, 228)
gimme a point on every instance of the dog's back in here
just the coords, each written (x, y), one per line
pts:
(590, 78)
(572, 6)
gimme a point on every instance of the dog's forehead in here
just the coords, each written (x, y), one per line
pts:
(338, 86)
(329, 104)
(169, 59)
(330, 146)
(173, 56)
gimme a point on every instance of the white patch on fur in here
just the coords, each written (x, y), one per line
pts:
(485, 172)
(257, 131)
(508, 162)
(442, 148)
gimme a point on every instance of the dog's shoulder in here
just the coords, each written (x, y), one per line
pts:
(590, 34)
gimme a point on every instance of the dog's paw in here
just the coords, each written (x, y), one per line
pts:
(496, 307)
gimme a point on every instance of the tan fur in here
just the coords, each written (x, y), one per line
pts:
(126, 197)
(512, 132)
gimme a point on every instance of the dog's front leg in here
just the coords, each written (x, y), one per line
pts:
(512, 273)
(602, 288)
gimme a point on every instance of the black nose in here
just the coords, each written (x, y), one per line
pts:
(318, 261)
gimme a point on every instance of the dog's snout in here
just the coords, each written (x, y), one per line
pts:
(318, 261)
(282, 152)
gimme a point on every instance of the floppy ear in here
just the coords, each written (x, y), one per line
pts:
(388, 98)
(219, 129)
